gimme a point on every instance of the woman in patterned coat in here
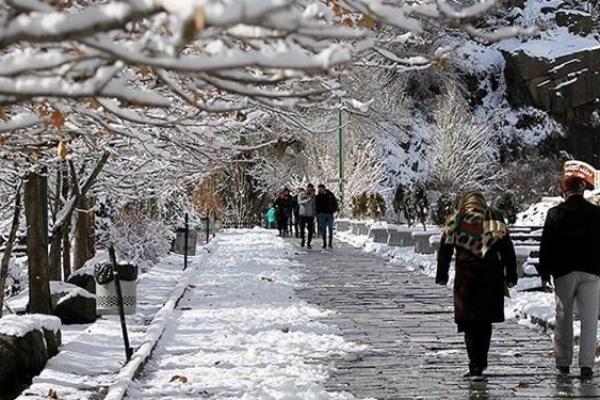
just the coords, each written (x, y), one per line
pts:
(485, 266)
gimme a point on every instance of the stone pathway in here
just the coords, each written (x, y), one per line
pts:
(414, 349)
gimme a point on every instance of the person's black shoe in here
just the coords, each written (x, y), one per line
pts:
(308, 246)
(302, 244)
(586, 373)
(474, 376)
(563, 370)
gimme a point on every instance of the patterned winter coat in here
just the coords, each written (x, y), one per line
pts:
(479, 283)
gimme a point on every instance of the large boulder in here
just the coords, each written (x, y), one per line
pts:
(26, 343)
(555, 84)
(559, 74)
(72, 304)
(578, 22)
(84, 278)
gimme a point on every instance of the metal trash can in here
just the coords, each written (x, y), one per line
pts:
(107, 302)
(179, 243)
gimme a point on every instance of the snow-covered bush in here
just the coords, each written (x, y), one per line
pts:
(420, 202)
(17, 278)
(403, 205)
(138, 238)
(443, 207)
(370, 205)
(507, 205)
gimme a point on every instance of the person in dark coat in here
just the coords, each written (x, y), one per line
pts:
(281, 205)
(288, 210)
(326, 206)
(570, 253)
(484, 252)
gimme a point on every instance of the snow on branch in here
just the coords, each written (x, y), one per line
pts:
(57, 26)
(102, 84)
(501, 33)
(20, 121)
(476, 10)
(233, 59)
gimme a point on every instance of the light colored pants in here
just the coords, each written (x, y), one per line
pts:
(585, 289)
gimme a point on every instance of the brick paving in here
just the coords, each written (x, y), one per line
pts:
(414, 350)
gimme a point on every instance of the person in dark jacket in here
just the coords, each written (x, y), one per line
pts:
(326, 206)
(281, 206)
(484, 252)
(288, 210)
(570, 253)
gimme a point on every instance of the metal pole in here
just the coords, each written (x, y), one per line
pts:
(113, 261)
(341, 156)
(185, 244)
(207, 227)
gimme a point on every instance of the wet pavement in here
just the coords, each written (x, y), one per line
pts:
(414, 350)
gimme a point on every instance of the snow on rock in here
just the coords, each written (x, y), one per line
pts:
(241, 332)
(553, 44)
(68, 291)
(88, 268)
(20, 325)
(535, 215)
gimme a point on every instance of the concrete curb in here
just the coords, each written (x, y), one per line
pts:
(118, 389)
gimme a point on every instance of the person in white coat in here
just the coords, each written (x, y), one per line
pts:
(307, 209)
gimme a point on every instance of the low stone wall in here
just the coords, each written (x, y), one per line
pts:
(359, 228)
(342, 225)
(379, 235)
(26, 344)
(401, 238)
(423, 243)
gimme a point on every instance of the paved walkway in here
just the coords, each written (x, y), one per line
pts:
(414, 349)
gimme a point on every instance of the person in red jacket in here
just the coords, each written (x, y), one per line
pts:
(570, 254)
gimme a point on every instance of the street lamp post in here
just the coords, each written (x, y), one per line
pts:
(341, 156)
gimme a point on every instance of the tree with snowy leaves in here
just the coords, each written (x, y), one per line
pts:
(144, 88)
(459, 149)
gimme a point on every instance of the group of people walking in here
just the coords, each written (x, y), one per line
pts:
(294, 213)
(485, 265)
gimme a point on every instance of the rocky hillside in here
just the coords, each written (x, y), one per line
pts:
(538, 94)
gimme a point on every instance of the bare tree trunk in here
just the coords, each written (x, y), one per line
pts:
(56, 239)
(82, 233)
(9, 247)
(66, 253)
(37, 246)
(66, 239)
(85, 235)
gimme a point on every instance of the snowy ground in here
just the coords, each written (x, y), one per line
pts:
(241, 332)
(93, 355)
